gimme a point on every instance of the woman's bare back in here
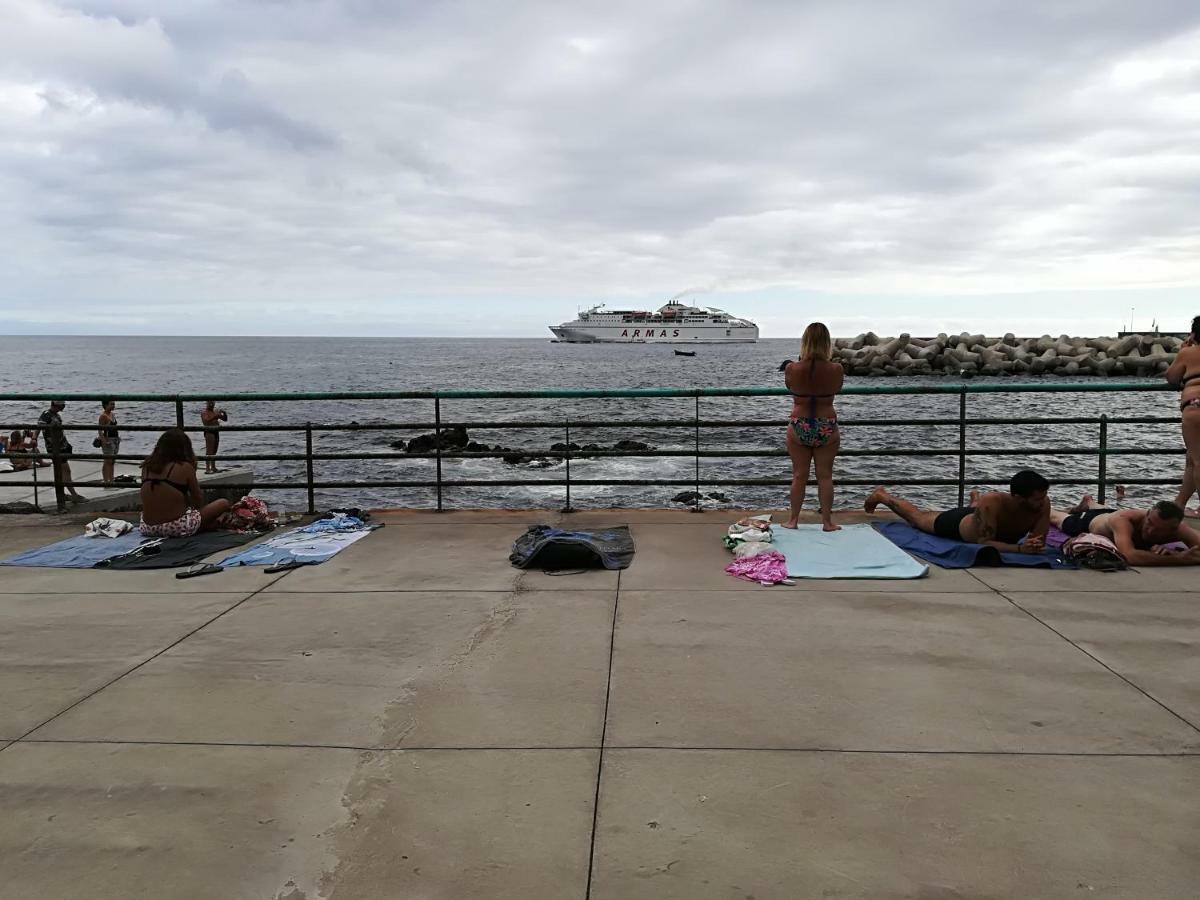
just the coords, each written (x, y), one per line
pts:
(822, 380)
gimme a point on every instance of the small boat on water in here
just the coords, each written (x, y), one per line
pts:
(685, 352)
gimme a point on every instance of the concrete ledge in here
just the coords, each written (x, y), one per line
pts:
(232, 483)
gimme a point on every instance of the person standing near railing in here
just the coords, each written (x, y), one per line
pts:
(813, 438)
(59, 448)
(212, 419)
(109, 440)
(1185, 374)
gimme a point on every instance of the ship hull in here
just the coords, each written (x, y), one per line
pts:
(573, 333)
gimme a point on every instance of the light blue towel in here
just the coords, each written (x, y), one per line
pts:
(80, 552)
(301, 544)
(856, 551)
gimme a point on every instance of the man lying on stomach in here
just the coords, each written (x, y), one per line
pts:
(996, 519)
(1142, 535)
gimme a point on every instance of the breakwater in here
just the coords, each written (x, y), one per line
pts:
(974, 354)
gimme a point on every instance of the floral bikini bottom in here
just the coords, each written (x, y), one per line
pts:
(185, 526)
(816, 432)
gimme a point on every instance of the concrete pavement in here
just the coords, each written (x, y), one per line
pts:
(416, 719)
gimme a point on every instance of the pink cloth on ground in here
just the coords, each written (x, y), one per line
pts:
(765, 568)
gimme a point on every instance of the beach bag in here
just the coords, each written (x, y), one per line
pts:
(1096, 552)
(544, 547)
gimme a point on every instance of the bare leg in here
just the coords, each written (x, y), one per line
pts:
(1188, 488)
(210, 512)
(801, 463)
(210, 450)
(69, 482)
(823, 458)
(1085, 503)
(918, 518)
(106, 470)
(1191, 439)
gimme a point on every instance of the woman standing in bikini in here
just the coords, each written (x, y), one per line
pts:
(813, 438)
(110, 440)
(1185, 372)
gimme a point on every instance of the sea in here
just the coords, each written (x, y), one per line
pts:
(225, 366)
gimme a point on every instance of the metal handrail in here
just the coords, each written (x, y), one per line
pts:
(987, 387)
(962, 451)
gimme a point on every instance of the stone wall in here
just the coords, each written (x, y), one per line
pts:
(973, 354)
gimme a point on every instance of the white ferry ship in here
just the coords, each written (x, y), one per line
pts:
(675, 323)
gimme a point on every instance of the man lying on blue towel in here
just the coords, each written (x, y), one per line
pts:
(996, 519)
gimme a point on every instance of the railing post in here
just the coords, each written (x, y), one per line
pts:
(697, 508)
(36, 504)
(1102, 481)
(568, 508)
(308, 465)
(437, 447)
(962, 447)
(178, 413)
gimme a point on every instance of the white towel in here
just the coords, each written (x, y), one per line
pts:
(109, 528)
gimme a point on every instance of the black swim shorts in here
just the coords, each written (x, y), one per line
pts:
(947, 524)
(1080, 523)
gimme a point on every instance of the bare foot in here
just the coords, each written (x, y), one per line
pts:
(1082, 505)
(791, 523)
(877, 496)
(829, 526)
(973, 498)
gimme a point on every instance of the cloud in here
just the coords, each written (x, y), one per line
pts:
(359, 162)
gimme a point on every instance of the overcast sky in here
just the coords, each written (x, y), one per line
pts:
(485, 168)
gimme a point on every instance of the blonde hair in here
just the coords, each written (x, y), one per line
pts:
(816, 343)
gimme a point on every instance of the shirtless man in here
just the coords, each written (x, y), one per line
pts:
(1140, 534)
(997, 519)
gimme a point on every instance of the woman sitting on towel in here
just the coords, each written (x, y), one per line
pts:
(172, 502)
(813, 438)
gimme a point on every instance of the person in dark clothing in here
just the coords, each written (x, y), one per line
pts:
(51, 425)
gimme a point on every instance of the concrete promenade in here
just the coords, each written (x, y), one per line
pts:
(417, 719)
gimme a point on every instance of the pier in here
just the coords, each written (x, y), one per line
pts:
(416, 718)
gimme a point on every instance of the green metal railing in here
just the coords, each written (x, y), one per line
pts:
(693, 426)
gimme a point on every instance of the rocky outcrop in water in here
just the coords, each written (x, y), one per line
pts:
(974, 354)
(456, 439)
(691, 498)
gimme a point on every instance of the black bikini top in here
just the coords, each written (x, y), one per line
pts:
(182, 488)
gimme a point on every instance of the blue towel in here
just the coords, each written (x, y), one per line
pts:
(959, 554)
(80, 552)
(301, 544)
(854, 552)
